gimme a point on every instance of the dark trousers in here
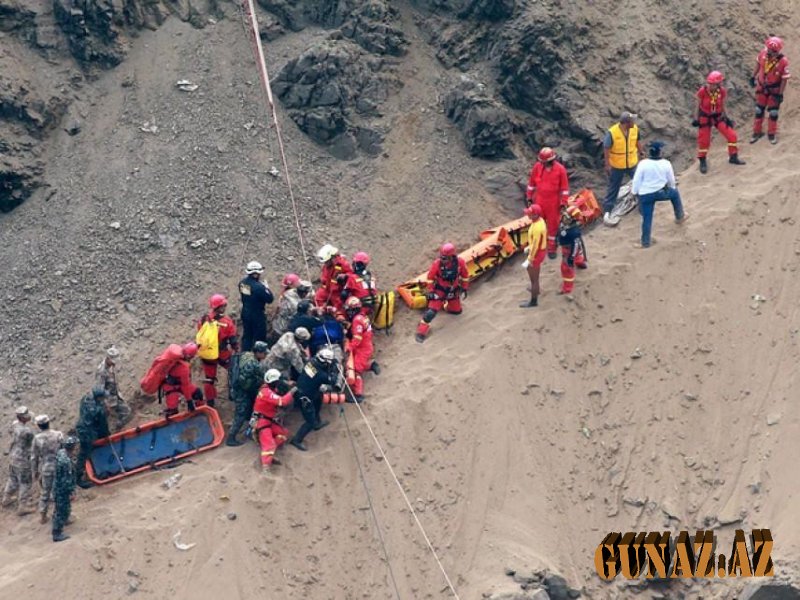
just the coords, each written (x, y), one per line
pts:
(254, 330)
(83, 455)
(242, 413)
(614, 183)
(647, 206)
(61, 512)
(310, 409)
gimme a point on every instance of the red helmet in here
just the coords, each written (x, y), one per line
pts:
(534, 211)
(189, 349)
(774, 44)
(352, 303)
(361, 257)
(547, 154)
(715, 77)
(217, 300)
(448, 249)
(291, 280)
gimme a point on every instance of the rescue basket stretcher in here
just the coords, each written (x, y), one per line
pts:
(497, 245)
(154, 444)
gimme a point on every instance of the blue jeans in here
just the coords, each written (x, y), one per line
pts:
(614, 183)
(647, 206)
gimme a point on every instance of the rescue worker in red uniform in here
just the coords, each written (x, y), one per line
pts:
(359, 348)
(361, 284)
(333, 277)
(228, 344)
(769, 79)
(573, 252)
(449, 284)
(178, 382)
(267, 429)
(711, 113)
(548, 186)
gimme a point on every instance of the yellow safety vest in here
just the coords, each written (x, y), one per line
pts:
(624, 152)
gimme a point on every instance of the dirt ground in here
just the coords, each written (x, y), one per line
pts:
(660, 396)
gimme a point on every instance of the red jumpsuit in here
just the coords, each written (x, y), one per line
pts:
(362, 288)
(711, 113)
(771, 75)
(228, 343)
(549, 188)
(269, 433)
(330, 289)
(178, 383)
(360, 347)
(448, 279)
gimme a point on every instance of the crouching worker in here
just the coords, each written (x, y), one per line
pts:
(359, 347)
(450, 281)
(267, 428)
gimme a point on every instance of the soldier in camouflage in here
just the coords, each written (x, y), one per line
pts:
(287, 306)
(43, 460)
(63, 488)
(289, 353)
(19, 468)
(245, 388)
(107, 379)
(92, 425)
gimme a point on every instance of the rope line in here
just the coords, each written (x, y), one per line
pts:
(264, 76)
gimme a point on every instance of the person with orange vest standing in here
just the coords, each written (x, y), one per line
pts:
(711, 113)
(769, 79)
(536, 250)
(228, 344)
(548, 186)
(178, 382)
(449, 284)
(268, 431)
(621, 150)
(359, 347)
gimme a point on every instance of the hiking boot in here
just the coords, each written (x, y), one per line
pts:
(84, 484)
(212, 403)
(703, 166)
(773, 139)
(608, 221)
(756, 137)
(321, 425)
(530, 303)
(355, 399)
(232, 441)
(735, 160)
(419, 337)
(276, 462)
(582, 265)
(682, 220)
(60, 537)
(298, 445)
(375, 368)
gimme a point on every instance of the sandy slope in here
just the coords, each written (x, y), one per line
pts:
(484, 424)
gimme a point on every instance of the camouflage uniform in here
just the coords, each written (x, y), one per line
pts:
(251, 376)
(43, 463)
(19, 469)
(107, 379)
(63, 487)
(287, 308)
(285, 355)
(92, 425)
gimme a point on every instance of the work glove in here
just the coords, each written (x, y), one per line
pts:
(431, 296)
(729, 122)
(464, 293)
(752, 82)
(571, 261)
(695, 123)
(191, 406)
(344, 294)
(778, 98)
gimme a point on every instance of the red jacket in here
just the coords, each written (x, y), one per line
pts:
(549, 184)
(359, 287)
(771, 73)
(360, 334)
(460, 278)
(711, 104)
(329, 288)
(268, 402)
(179, 379)
(228, 342)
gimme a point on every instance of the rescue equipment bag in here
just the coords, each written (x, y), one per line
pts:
(334, 331)
(161, 366)
(383, 312)
(207, 339)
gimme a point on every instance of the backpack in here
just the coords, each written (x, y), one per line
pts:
(383, 312)
(161, 366)
(207, 339)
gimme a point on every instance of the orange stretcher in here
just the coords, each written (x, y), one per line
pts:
(497, 245)
(154, 444)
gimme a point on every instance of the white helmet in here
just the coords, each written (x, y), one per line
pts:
(253, 267)
(326, 355)
(326, 253)
(272, 375)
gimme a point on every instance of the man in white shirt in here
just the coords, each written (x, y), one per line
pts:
(655, 180)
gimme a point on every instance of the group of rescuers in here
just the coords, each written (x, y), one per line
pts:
(316, 336)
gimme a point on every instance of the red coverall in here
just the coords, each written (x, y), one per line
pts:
(549, 188)
(330, 289)
(711, 113)
(178, 383)
(228, 343)
(771, 75)
(444, 292)
(360, 347)
(269, 433)
(361, 288)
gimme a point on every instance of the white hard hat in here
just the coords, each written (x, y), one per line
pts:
(327, 252)
(41, 419)
(272, 375)
(326, 354)
(112, 352)
(301, 333)
(254, 267)
(22, 411)
(305, 284)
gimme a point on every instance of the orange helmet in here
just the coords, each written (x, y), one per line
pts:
(547, 154)
(774, 44)
(715, 77)
(352, 303)
(189, 350)
(448, 249)
(534, 211)
(217, 300)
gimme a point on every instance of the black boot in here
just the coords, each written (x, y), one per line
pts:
(756, 137)
(734, 160)
(232, 441)
(298, 444)
(703, 165)
(773, 139)
(321, 425)
(534, 301)
(85, 484)
(59, 536)
(375, 368)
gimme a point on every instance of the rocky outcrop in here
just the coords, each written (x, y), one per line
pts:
(484, 123)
